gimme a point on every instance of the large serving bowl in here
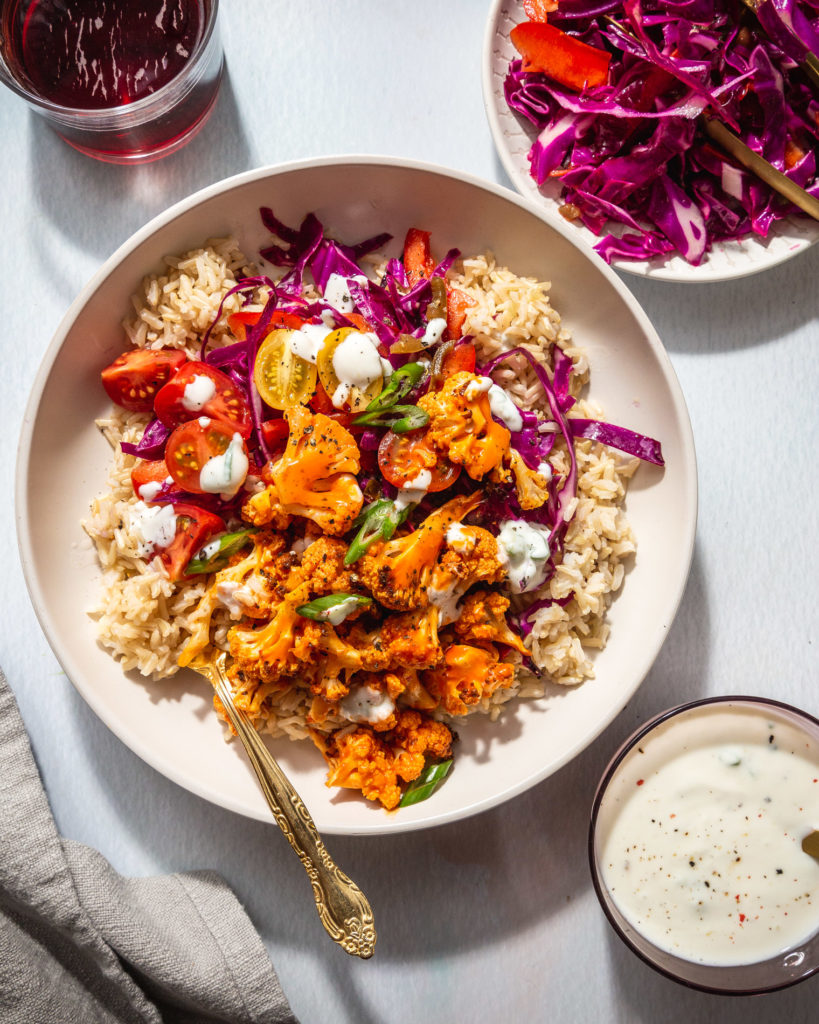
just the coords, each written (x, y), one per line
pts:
(63, 461)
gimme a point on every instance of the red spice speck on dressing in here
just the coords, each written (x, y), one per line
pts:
(700, 831)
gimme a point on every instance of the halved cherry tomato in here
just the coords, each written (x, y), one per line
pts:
(193, 527)
(401, 457)
(239, 322)
(191, 445)
(357, 400)
(281, 377)
(457, 303)
(148, 471)
(458, 359)
(135, 377)
(275, 432)
(201, 390)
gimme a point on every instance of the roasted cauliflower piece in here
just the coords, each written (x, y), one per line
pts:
(532, 487)
(471, 557)
(462, 427)
(411, 639)
(483, 617)
(468, 674)
(398, 572)
(322, 568)
(374, 763)
(315, 477)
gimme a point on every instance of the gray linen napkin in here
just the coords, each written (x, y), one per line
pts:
(80, 943)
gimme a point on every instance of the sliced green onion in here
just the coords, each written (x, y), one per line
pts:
(323, 607)
(216, 553)
(407, 417)
(377, 521)
(427, 782)
(413, 419)
(399, 384)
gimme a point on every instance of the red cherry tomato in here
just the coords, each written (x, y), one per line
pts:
(191, 445)
(462, 357)
(179, 401)
(134, 378)
(401, 457)
(239, 322)
(193, 527)
(320, 400)
(148, 471)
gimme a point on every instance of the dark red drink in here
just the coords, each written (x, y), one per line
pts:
(95, 59)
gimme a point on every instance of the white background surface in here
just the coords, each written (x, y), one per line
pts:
(494, 918)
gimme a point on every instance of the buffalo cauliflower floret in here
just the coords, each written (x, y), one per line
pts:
(483, 617)
(532, 487)
(398, 572)
(411, 639)
(471, 557)
(468, 674)
(462, 427)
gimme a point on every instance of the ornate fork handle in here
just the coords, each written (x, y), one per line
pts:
(342, 906)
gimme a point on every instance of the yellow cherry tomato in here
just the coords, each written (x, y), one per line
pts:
(355, 398)
(282, 378)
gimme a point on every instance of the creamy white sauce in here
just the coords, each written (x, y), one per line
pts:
(224, 474)
(204, 422)
(433, 332)
(230, 595)
(357, 364)
(459, 539)
(476, 388)
(198, 392)
(700, 835)
(150, 490)
(367, 704)
(447, 600)
(523, 550)
(504, 409)
(337, 291)
(413, 491)
(306, 342)
(545, 470)
(152, 527)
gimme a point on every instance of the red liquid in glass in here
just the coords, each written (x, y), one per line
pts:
(90, 55)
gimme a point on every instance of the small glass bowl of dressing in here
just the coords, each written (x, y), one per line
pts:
(696, 844)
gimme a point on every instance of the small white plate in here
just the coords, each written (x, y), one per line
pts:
(63, 462)
(514, 137)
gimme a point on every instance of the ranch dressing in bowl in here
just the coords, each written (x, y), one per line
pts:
(697, 831)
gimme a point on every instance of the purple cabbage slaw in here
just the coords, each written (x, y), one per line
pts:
(631, 153)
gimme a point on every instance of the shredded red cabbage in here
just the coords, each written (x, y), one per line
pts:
(152, 443)
(634, 164)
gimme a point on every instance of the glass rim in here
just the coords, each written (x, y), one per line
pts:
(105, 117)
(602, 896)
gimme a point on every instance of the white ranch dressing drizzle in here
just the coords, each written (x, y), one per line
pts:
(367, 704)
(700, 836)
(459, 540)
(152, 527)
(523, 549)
(198, 392)
(337, 291)
(224, 474)
(502, 406)
(433, 332)
(357, 364)
(341, 611)
(413, 491)
(306, 342)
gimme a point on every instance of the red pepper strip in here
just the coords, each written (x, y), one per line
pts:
(275, 431)
(562, 57)
(320, 400)
(238, 322)
(537, 10)
(418, 261)
(358, 321)
(457, 303)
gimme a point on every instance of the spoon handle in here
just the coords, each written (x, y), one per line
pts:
(342, 907)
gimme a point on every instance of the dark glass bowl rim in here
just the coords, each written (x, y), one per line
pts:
(602, 786)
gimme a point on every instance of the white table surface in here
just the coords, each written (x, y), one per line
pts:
(494, 918)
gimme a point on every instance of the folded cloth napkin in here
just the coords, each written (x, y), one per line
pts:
(80, 943)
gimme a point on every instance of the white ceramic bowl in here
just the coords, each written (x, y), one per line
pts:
(513, 140)
(170, 724)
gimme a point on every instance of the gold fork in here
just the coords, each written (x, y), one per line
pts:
(342, 906)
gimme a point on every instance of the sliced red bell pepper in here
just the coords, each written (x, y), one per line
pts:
(418, 261)
(239, 322)
(457, 303)
(537, 10)
(562, 57)
(274, 432)
(358, 321)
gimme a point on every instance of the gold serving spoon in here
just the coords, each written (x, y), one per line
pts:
(810, 844)
(342, 906)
